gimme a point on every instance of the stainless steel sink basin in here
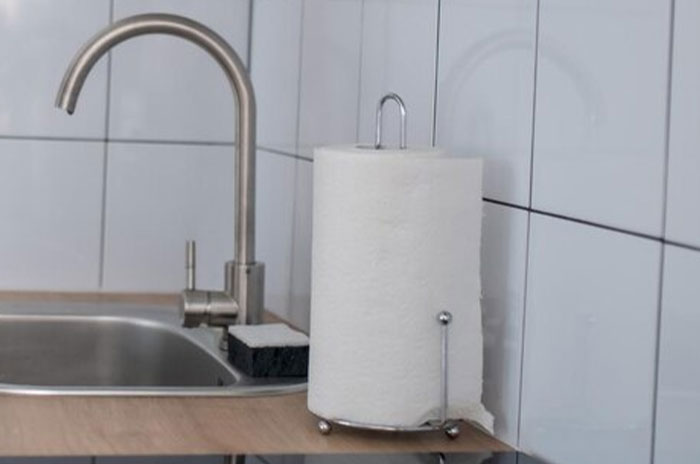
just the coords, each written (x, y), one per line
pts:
(117, 349)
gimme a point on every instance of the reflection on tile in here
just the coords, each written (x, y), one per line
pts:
(485, 89)
(398, 55)
(165, 88)
(683, 214)
(159, 196)
(678, 405)
(503, 258)
(329, 73)
(38, 38)
(588, 369)
(275, 61)
(601, 110)
(50, 202)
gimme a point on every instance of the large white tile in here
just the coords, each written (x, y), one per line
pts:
(683, 215)
(329, 87)
(275, 219)
(275, 62)
(50, 204)
(678, 403)
(300, 292)
(503, 261)
(485, 89)
(399, 42)
(38, 38)
(601, 110)
(159, 196)
(588, 369)
(148, 222)
(165, 88)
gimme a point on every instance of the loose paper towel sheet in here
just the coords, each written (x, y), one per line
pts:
(396, 239)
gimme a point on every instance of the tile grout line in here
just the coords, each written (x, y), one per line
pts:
(597, 225)
(523, 326)
(657, 354)
(667, 122)
(292, 260)
(284, 153)
(578, 220)
(105, 163)
(523, 323)
(664, 213)
(52, 138)
(534, 102)
(249, 45)
(300, 59)
(436, 72)
(358, 107)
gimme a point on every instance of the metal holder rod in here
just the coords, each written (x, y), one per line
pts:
(378, 123)
(451, 428)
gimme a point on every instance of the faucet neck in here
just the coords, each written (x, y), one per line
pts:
(237, 75)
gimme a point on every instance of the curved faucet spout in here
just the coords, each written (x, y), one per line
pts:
(237, 75)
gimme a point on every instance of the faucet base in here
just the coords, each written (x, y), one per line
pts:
(209, 307)
(245, 283)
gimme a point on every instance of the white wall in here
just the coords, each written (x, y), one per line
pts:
(589, 268)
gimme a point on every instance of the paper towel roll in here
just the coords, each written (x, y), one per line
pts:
(396, 239)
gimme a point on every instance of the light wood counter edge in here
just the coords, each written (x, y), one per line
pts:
(93, 426)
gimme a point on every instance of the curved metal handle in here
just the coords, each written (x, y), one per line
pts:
(402, 114)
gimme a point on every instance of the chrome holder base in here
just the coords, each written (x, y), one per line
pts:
(450, 427)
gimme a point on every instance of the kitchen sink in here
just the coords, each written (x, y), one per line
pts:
(117, 349)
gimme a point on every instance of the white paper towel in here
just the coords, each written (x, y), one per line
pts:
(396, 239)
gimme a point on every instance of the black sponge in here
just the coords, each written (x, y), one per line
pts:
(268, 350)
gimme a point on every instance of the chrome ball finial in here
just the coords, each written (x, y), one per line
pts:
(445, 317)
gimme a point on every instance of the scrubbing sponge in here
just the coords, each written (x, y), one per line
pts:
(268, 350)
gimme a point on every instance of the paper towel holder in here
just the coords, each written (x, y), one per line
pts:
(378, 122)
(450, 427)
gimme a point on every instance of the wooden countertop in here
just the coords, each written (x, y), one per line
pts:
(73, 425)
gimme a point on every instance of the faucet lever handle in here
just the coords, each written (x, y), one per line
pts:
(190, 264)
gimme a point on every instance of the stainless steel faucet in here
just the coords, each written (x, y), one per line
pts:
(242, 299)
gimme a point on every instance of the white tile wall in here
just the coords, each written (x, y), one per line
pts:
(601, 111)
(398, 55)
(50, 205)
(678, 405)
(485, 89)
(300, 291)
(330, 58)
(161, 88)
(588, 369)
(148, 222)
(683, 215)
(38, 38)
(596, 133)
(275, 64)
(159, 196)
(504, 255)
(165, 88)
(276, 179)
